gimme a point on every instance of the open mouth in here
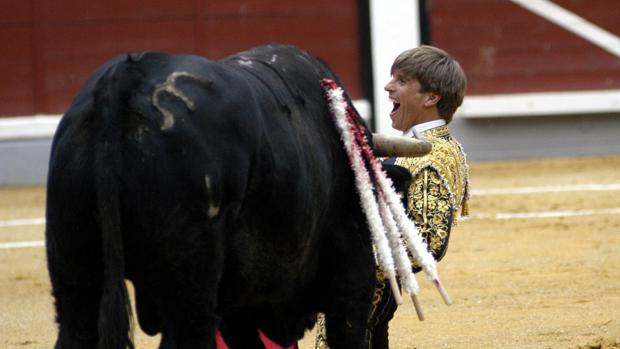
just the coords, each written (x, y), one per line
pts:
(395, 106)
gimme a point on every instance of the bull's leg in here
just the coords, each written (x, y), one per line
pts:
(190, 287)
(76, 300)
(240, 332)
(148, 316)
(285, 323)
(190, 321)
(281, 323)
(73, 256)
(350, 289)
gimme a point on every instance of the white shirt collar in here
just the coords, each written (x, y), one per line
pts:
(417, 130)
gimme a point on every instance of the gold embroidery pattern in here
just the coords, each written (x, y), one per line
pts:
(449, 160)
(321, 333)
(429, 205)
(439, 188)
(378, 295)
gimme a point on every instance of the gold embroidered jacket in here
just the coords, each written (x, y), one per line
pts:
(438, 193)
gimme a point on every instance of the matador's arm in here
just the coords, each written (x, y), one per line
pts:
(430, 205)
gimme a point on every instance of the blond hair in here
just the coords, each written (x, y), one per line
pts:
(437, 72)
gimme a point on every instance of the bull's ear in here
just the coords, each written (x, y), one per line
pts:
(400, 176)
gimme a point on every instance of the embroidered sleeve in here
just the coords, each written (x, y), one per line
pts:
(429, 202)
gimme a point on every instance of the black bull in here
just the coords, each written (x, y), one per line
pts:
(221, 189)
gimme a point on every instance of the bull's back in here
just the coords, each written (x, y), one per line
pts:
(242, 150)
(304, 177)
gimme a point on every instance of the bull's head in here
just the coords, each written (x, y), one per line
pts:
(395, 146)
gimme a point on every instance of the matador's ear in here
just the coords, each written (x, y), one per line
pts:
(432, 99)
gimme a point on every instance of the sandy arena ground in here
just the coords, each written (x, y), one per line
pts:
(516, 282)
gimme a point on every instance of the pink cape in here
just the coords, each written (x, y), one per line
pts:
(269, 344)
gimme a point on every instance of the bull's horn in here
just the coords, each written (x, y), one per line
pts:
(396, 146)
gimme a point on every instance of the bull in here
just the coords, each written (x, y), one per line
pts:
(221, 190)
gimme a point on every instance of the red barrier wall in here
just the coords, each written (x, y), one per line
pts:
(505, 48)
(50, 47)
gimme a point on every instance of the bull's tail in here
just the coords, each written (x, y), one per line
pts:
(111, 97)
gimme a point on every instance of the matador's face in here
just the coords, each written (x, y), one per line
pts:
(411, 106)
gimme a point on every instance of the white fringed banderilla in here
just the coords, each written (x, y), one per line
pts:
(386, 216)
